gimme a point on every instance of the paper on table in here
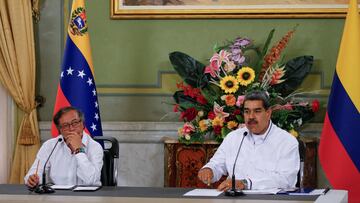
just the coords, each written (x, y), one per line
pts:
(62, 187)
(86, 188)
(312, 192)
(203, 192)
(262, 192)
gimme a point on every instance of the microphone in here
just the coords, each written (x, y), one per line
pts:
(43, 188)
(233, 191)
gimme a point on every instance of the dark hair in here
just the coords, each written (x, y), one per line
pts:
(64, 110)
(258, 95)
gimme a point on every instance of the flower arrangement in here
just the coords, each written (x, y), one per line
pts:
(210, 98)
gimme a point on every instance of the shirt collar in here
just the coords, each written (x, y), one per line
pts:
(261, 138)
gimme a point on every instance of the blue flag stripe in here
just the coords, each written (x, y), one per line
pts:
(345, 120)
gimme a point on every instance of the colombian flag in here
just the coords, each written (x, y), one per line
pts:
(77, 85)
(339, 149)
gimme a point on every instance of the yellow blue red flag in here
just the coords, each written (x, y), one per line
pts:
(339, 149)
(77, 85)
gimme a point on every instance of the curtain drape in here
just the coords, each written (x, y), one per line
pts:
(17, 74)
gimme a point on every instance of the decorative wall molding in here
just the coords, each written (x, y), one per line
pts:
(129, 132)
(153, 132)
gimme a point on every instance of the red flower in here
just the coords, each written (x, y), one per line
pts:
(315, 105)
(201, 99)
(217, 129)
(176, 108)
(211, 115)
(237, 112)
(189, 114)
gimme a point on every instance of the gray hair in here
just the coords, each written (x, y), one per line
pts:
(258, 95)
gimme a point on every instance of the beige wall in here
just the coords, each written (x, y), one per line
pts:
(133, 74)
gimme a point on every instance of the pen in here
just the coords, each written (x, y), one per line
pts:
(37, 167)
(326, 190)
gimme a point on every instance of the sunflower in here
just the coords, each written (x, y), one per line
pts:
(245, 76)
(229, 84)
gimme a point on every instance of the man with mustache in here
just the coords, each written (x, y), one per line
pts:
(268, 158)
(77, 160)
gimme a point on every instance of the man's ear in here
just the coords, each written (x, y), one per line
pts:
(269, 112)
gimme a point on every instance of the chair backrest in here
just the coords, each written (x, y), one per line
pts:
(302, 151)
(111, 155)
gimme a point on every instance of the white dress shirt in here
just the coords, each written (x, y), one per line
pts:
(65, 168)
(270, 160)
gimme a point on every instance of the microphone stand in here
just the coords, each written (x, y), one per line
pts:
(233, 192)
(44, 188)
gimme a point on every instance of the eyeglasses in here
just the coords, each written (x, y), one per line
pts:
(74, 124)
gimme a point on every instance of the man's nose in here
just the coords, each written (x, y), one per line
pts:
(71, 127)
(251, 114)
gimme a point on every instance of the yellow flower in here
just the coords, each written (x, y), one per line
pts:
(180, 132)
(245, 76)
(294, 133)
(203, 124)
(232, 124)
(229, 84)
(217, 121)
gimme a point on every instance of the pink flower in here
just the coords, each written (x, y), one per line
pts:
(188, 128)
(211, 70)
(240, 100)
(219, 111)
(218, 58)
(288, 106)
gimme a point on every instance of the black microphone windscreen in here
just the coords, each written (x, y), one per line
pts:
(60, 139)
(245, 133)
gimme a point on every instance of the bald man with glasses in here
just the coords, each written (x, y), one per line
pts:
(77, 160)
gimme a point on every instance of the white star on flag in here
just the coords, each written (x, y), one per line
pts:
(94, 92)
(69, 71)
(89, 81)
(96, 116)
(62, 74)
(96, 104)
(93, 126)
(81, 74)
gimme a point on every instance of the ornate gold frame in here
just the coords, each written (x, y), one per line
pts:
(218, 12)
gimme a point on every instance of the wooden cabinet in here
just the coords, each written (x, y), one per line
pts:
(182, 163)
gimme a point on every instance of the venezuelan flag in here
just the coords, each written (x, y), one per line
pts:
(339, 149)
(77, 85)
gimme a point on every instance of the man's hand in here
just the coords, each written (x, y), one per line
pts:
(206, 175)
(226, 185)
(33, 180)
(73, 140)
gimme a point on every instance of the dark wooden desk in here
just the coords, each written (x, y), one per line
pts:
(182, 163)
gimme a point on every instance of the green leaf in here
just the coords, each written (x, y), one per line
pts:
(296, 70)
(179, 97)
(225, 131)
(267, 43)
(211, 93)
(262, 53)
(191, 71)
